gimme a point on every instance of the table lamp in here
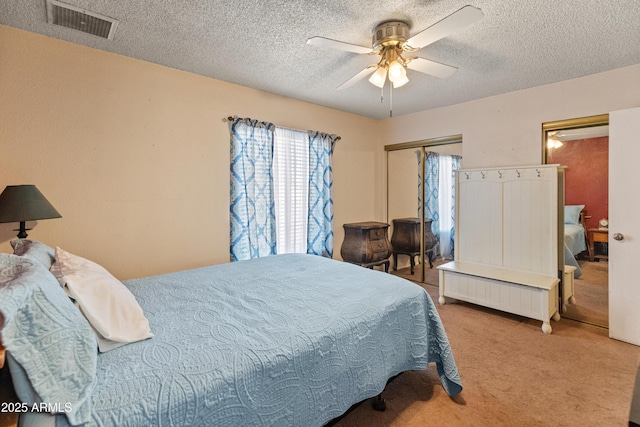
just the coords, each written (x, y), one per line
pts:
(21, 203)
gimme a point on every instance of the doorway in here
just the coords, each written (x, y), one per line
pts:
(581, 148)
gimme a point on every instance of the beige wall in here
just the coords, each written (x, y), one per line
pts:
(505, 129)
(135, 156)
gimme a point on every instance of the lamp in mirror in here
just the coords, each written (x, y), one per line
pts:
(21, 203)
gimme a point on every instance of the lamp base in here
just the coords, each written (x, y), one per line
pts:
(22, 232)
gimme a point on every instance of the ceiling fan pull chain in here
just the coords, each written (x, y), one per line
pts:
(390, 99)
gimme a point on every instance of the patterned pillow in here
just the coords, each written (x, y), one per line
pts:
(47, 336)
(35, 249)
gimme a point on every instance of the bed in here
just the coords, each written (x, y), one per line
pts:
(574, 236)
(282, 340)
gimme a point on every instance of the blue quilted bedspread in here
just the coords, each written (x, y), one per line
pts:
(286, 340)
(574, 238)
(574, 243)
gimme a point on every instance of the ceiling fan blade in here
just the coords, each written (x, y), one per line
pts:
(431, 67)
(454, 22)
(335, 44)
(361, 75)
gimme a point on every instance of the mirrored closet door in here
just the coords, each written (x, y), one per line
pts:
(420, 205)
(581, 147)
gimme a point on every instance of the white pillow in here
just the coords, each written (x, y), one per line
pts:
(110, 307)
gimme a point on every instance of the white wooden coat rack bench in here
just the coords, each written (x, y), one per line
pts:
(506, 241)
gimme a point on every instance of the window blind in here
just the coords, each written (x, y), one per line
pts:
(291, 189)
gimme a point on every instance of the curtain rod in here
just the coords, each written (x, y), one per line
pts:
(230, 118)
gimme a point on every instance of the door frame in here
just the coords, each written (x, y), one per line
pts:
(581, 122)
(547, 127)
(422, 145)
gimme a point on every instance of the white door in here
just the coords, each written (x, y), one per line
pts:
(624, 225)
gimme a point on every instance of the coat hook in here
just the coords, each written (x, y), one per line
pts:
(483, 175)
(467, 174)
(499, 174)
(538, 171)
(518, 173)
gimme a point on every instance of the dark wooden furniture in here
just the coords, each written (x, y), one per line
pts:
(597, 235)
(366, 244)
(7, 394)
(405, 240)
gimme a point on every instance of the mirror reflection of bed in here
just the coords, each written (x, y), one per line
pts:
(584, 154)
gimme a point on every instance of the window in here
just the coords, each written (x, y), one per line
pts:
(291, 189)
(291, 170)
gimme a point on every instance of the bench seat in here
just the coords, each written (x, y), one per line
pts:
(518, 292)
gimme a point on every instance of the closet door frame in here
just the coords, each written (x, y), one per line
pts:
(422, 145)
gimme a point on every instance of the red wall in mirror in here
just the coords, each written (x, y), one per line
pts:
(586, 176)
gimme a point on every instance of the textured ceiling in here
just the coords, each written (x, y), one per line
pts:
(262, 44)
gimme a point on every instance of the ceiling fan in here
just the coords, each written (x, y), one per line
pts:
(391, 41)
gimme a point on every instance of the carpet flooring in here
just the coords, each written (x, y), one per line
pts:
(592, 294)
(430, 274)
(514, 375)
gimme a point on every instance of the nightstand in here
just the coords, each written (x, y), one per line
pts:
(405, 240)
(597, 235)
(366, 244)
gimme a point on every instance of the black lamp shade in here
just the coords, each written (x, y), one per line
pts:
(20, 203)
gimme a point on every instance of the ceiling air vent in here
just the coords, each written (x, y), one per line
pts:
(82, 20)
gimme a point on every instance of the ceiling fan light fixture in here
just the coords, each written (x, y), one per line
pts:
(553, 143)
(379, 77)
(401, 82)
(391, 39)
(396, 72)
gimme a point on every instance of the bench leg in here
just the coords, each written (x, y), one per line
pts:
(441, 284)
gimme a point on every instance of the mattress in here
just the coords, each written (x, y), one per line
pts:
(282, 340)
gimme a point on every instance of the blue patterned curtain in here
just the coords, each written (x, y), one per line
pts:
(431, 182)
(435, 183)
(320, 224)
(252, 211)
(455, 165)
